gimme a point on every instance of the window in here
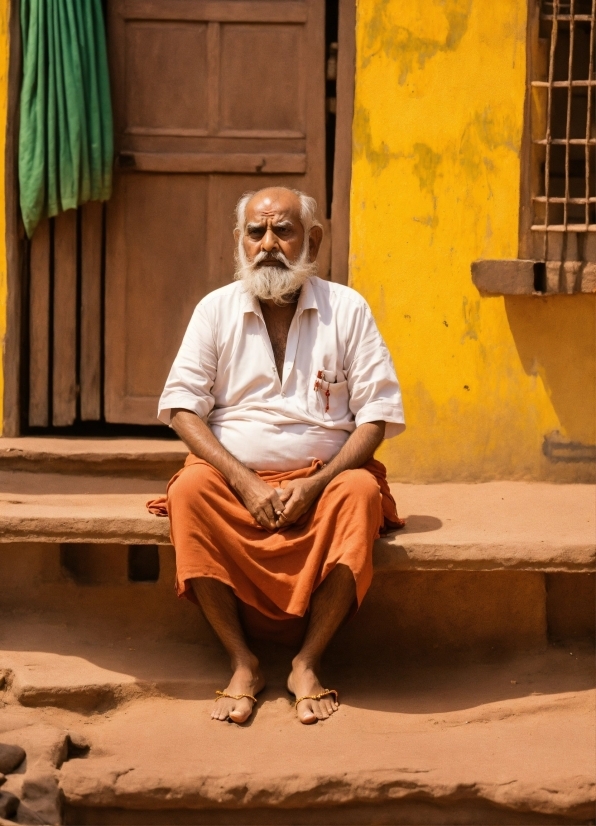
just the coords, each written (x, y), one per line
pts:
(560, 185)
(557, 238)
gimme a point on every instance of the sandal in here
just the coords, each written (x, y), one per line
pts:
(318, 696)
(220, 694)
(235, 696)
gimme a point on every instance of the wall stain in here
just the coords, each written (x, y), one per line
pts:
(404, 46)
(378, 157)
(485, 133)
(426, 170)
(471, 314)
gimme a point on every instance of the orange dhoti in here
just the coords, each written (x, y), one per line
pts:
(276, 572)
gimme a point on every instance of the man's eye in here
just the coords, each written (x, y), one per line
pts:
(256, 233)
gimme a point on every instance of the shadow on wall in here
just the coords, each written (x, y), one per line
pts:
(555, 339)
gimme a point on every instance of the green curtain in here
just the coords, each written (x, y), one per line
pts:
(65, 139)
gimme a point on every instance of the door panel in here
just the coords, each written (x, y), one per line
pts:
(173, 93)
(212, 98)
(260, 92)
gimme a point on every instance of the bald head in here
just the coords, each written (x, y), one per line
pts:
(275, 200)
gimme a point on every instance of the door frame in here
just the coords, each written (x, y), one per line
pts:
(15, 361)
(342, 161)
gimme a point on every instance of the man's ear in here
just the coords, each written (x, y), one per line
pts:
(315, 236)
(236, 236)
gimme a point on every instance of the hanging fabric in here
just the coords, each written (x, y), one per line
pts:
(65, 138)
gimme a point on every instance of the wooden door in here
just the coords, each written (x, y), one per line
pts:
(212, 98)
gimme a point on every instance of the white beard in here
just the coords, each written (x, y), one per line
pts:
(278, 284)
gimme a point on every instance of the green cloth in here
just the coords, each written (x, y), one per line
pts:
(65, 140)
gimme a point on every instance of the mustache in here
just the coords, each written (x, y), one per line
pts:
(274, 255)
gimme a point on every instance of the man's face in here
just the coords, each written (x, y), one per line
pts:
(273, 225)
(274, 255)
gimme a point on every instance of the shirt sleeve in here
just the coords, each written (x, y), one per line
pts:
(193, 372)
(374, 390)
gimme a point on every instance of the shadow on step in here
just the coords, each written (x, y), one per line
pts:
(411, 812)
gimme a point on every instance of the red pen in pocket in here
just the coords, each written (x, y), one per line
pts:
(319, 382)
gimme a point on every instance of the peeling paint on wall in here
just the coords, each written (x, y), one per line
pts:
(409, 47)
(440, 88)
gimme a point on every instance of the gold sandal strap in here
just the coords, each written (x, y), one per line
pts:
(318, 696)
(235, 696)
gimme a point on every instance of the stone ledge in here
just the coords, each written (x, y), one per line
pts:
(489, 526)
(527, 277)
(147, 458)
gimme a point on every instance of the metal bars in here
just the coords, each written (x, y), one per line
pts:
(564, 110)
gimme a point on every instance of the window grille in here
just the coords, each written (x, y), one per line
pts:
(563, 134)
(557, 219)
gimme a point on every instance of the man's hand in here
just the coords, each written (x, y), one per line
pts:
(297, 497)
(261, 500)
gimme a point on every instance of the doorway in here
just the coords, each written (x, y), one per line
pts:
(211, 98)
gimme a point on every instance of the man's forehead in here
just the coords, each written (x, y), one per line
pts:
(277, 205)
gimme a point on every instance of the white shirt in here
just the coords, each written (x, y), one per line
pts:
(337, 375)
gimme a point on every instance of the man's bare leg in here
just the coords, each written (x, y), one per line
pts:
(220, 608)
(329, 606)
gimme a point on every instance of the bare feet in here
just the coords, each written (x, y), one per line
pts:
(303, 681)
(246, 679)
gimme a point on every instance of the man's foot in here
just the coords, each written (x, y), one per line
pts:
(246, 679)
(303, 681)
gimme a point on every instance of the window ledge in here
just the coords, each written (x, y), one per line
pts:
(517, 276)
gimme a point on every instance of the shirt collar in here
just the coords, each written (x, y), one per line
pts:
(308, 297)
(307, 300)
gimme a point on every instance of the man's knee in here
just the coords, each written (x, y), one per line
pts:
(359, 484)
(194, 483)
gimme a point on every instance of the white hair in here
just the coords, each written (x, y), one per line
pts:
(308, 208)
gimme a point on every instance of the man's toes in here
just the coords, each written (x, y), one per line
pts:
(239, 715)
(307, 715)
(220, 712)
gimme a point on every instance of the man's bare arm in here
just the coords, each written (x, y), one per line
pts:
(261, 500)
(299, 495)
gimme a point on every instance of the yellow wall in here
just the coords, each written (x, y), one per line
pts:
(4, 16)
(436, 171)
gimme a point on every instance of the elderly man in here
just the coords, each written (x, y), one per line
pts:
(282, 390)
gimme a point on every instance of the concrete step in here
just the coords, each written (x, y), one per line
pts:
(489, 526)
(503, 742)
(86, 669)
(459, 702)
(146, 458)
(478, 569)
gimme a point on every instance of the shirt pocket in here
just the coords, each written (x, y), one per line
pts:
(329, 396)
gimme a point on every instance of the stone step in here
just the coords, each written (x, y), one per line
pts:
(488, 526)
(507, 741)
(44, 663)
(146, 458)
(479, 568)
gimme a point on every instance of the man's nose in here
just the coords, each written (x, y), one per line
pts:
(269, 241)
